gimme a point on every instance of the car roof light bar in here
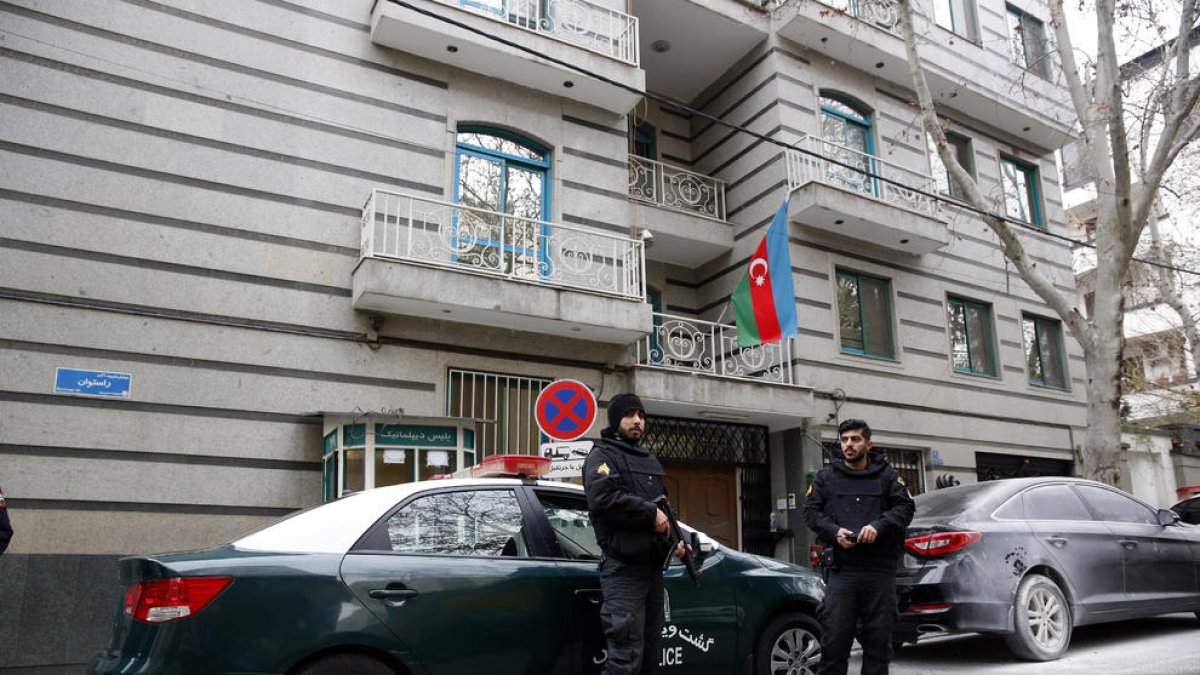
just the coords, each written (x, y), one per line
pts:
(504, 466)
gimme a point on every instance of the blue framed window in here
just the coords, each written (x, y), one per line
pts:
(865, 314)
(507, 178)
(1022, 199)
(972, 349)
(847, 125)
(1044, 351)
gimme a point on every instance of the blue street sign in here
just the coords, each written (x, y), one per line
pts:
(92, 383)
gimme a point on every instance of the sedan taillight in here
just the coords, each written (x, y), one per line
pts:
(940, 543)
(163, 600)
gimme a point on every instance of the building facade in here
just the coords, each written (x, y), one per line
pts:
(256, 254)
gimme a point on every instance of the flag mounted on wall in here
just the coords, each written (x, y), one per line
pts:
(764, 302)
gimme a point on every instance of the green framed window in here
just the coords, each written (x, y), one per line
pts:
(961, 145)
(846, 127)
(865, 314)
(972, 347)
(1044, 351)
(1022, 199)
(1027, 42)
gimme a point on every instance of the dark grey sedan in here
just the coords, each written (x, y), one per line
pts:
(1031, 558)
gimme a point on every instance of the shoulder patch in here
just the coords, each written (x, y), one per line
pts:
(603, 469)
(809, 493)
(900, 480)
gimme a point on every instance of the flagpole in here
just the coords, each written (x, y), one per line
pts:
(724, 308)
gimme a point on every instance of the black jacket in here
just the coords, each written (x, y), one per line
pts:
(843, 497)
(5, 526)
(622, 480)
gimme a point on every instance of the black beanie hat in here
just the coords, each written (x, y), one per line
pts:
(619, 406)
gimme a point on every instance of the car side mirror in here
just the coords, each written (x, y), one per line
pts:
(1167, 517)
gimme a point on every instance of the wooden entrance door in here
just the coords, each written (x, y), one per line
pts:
(705, 497)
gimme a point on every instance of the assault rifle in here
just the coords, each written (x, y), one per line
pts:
(675, 534)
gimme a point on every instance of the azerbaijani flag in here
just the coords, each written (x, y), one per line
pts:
(764, 303)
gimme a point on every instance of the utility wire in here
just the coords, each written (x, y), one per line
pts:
(763, 137)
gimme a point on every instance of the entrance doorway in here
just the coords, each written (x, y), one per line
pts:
(705, 497)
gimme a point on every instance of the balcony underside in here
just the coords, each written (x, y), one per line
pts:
(694, 395)
(850, 214)
(682, 238)
(402, 29)
(971, 90)
(403, 288)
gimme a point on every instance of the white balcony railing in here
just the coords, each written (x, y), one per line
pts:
(696, 346)
(805, 168)
(883, 13)
(675, 188)
(430, 232)
(585, 24)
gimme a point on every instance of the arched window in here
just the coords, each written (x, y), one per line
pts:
(504, 179)
(846, 130)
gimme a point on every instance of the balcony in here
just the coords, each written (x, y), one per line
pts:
(975, 79)
(438, 260)
(684, 210)
(828, 193)
(693, 367)
(586, 34)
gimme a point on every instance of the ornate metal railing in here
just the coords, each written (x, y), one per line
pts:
(675, 188)
(858, 171)
(883, 13)
(432, 232)
(697, 346)
(579, 22)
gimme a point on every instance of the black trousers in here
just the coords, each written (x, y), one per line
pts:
(632, 616)
(862, 603)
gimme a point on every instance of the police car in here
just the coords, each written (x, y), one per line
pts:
(495, 573)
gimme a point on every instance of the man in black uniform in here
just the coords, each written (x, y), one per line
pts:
(622, 480)
(5, 526)
(860, 507)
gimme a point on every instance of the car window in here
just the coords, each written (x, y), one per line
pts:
(1054, 502)
(463, 522)
(1116, 507)
(571, 524)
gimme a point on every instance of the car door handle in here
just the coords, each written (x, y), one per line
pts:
(592, 595)
(393, 597)
(1057, 542)
(1129, 544)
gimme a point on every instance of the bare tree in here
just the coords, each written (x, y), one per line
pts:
(1122, 211)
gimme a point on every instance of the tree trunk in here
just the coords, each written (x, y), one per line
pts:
(1102, 447)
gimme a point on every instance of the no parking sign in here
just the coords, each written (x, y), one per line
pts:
(565, 410)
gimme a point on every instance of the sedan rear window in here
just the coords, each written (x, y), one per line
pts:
(949, 502)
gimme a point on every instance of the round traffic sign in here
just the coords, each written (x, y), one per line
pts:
(565, 410)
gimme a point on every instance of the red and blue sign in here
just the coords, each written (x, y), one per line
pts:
(565, 410)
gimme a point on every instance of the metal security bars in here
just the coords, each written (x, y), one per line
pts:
(803, 168)
(432, 232)
(579, 22)
(695, 441)
(697, 346)
(504, 404)
(884, 13)
(674, 188)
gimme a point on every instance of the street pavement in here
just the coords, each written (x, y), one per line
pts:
(1165, 645)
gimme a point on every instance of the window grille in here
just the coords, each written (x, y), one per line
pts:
(504, 406)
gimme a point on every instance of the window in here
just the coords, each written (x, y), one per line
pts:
(571, 524)
(1054, 502)
(645, 143)
(1027, 42)
(846, 129)
(466, 522)
(506, 401)
(1020, 183)
(1044, 351)
(865, 314)
(961, 146)
(503, 179)
(971, 347)
(957, 16)
(1116, 507)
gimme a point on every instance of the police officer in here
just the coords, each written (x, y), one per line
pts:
(5, 525)
(860, 507)
(622, 479)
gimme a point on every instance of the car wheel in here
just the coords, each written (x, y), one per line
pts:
(346, 664)
(789, 645)
(1042, 620)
